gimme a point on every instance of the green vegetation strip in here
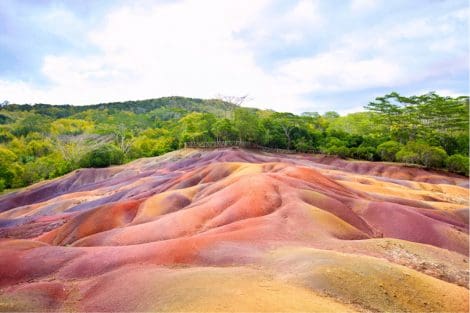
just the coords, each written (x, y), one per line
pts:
(45, 141)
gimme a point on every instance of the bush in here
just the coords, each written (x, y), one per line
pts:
(387, 151)
(354, 141)
(333, 141)
(407, 156)
(302, 145)
(7, 159)
(5, 136)
(433, 157)
(341, 151)
(39, 148)
(363, 153)
(35, 171)
(103, 156)
(419, 152)
(458, 163)
(2, 185)
(463, 143)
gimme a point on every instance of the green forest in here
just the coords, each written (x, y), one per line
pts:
(44, 141)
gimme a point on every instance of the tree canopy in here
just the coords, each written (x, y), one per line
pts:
(43, 141)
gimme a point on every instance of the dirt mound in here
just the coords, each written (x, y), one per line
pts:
(237, 230)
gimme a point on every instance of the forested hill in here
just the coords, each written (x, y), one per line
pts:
(215, 106)
(44, 141)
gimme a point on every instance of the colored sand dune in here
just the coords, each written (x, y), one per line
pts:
(236, 230)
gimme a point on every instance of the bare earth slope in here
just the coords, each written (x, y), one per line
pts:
(235, 230)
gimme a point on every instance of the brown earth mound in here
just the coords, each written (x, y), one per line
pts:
(236, 230)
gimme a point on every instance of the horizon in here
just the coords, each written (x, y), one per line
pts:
(287, 56)
(361, 110)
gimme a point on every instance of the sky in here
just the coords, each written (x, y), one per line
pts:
(291, 55)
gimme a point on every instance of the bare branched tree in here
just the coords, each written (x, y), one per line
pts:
(123, 138)
(237, 100)
(74, 147)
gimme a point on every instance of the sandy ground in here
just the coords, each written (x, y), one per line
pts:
(232, 230)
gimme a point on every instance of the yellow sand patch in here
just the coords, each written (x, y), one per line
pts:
(164, 202)
(373, 283)
(207, 289)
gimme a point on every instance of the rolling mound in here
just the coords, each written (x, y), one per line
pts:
(237, 230)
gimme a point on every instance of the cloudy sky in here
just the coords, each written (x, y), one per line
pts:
(307, 55)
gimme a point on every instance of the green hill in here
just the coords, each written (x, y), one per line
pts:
(43, 141)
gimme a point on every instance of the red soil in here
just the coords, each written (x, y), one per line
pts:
(256, 223)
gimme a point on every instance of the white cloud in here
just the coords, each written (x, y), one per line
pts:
(361, 6)
(292, 37)
(186, 48)
(305, 12)
(193, 48)
(340, 70)
(351, 110)
(441, 92)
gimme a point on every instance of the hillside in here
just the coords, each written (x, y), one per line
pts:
(238, 230)
(215, 106)
(41, 141)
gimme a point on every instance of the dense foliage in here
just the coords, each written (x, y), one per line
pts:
(43, 141)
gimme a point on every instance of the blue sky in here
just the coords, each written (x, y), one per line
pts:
(307, 55)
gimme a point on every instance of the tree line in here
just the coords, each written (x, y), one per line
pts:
(43, 141)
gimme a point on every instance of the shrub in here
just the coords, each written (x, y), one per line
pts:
(7, 158)
(302, 145)
(458, 163)
(407, 156)
(387, 151)
(2, 184)
(333, 141)
(363, 153)
(39, 148)
(354, 141)
(341, 151)
(433, 157)
(419, 152)
(103, 156)
(5, 136)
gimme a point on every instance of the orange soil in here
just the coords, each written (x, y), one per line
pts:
(236, 230)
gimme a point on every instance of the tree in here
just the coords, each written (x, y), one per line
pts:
(143, 146)
(287, 122)
(387, 113)
(5, 136)
(363, 153)
(7, 158)
(314, 115)
(47, 140)
(340, 151)
(419, 152)
(196, 127)
(39, 148)
(69, 126)
(223, 129)
(361, 123)
(420, 117)
(123, 138)
(388, 150)
(407, 156)
(73, 148)
(247, 124)
(303, 145)
(32, 123)
(433, 157)
(458, 163)
(236, 100)
(103, 156)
